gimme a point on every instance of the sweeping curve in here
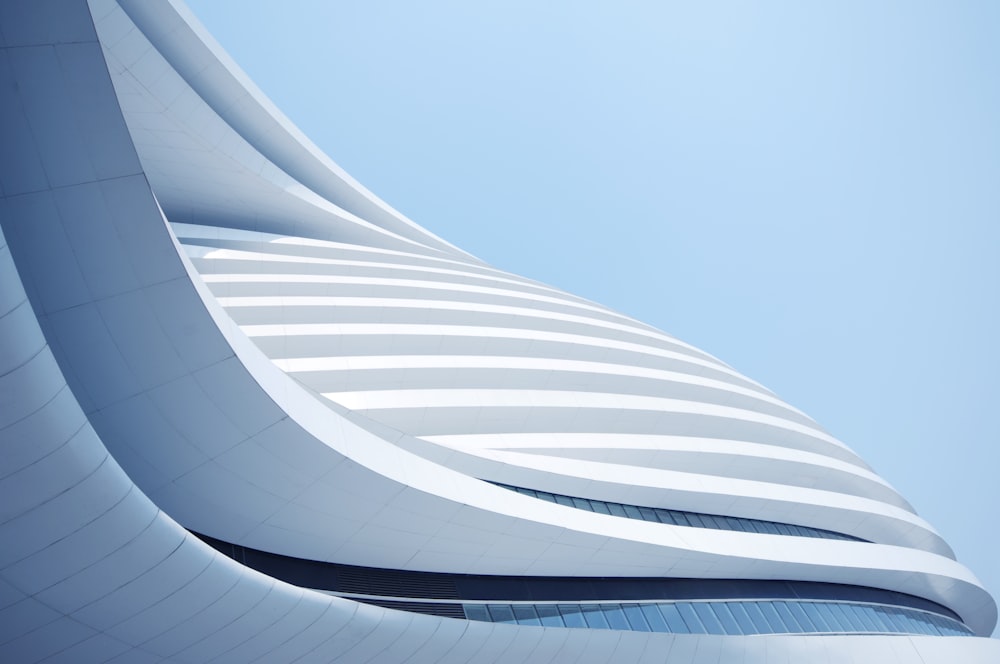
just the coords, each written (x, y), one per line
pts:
(250, 410)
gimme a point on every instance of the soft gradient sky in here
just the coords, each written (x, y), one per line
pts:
(809, 191)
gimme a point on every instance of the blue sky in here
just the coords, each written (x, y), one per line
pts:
(809, 191)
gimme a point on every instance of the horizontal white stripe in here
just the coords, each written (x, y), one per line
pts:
(644, 442)
(218, 254)
(214, 254)
(404, 362)
(501, 398)
(501, 333)
(444, 305)
(273, 278)
(218, 233)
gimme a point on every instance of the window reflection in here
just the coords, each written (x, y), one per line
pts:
(724, 617)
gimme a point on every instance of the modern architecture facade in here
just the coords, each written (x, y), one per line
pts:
(249, 412)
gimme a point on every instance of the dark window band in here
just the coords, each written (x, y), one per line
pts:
(682, 518)
(730, 618)
(451, 595)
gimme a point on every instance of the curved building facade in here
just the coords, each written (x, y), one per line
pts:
(249, 412)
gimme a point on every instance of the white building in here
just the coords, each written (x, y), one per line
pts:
(250, 412)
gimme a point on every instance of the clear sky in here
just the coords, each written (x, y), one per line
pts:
(809, 191)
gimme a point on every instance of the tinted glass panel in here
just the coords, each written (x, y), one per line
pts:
(848, 621)
(655, 619)
(892, 619)
(725, 616)
(476, 612)
(743, 618)
(636, 620)
(600, 507)
(817, 618)
(525, 614)
(800, 615)
(501, 613)
(648, 514)
(786, 616)
(549, 615)
(777, 624)
(835, 618)
(695, 520)
(706, 614)
(690, 618)
(672, 617)
(594, 616)
(633, 512)
(571, 615)
(761, 622)
(617, 510)
(615, 616)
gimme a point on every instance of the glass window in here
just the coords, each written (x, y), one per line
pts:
(869, 616)
(564, 500)
(781, 528)
(477, 612)
(736, 524)
(690, 618)
(706, 614)
(669, 613)
(633, 512)
(826, 613)
(581, 504)
(571, 615)
(818, 617)
(694, 520)
(636, 620)
(600, 507)
(681, 518)
(709, 521)
(892, 618)
(848, 621)
(834, 619)
(655, 619)
(615, 616)
(617, 509)
(544, 495)
(743, 618)
(788, 618)
(594, 616)
(926, 623)
(501, 613)
(548, 614)
(778, 625)
(916, 621)
(664, 516)
(800, 615)
(648, 514)
(762, 624)
(725, 616)
(525, 614)
(946, 626)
